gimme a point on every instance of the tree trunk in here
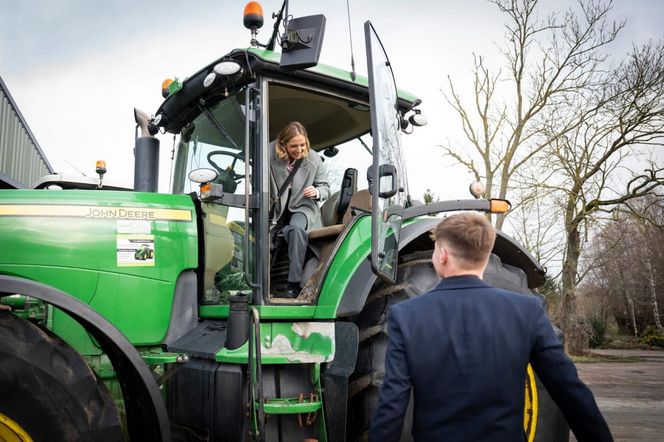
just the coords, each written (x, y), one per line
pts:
(573, 325)
(632, 315)
(502, 193)
(630, 303)
(653, 294)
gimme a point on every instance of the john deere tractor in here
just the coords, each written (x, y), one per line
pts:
(144, 316)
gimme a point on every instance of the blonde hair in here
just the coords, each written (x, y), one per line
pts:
(292, 129)
(470, 236)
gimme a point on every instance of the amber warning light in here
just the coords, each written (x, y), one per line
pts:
(253, 19)
(100, 167)
(499, 205)
(253, 15)
(205, 190)
(165, 91)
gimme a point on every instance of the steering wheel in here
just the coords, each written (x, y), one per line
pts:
(230, 170)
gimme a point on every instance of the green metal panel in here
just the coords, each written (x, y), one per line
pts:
(355, 248)
(266, 311)
(288, 343)
(74, 240)
(352, 252)
(21, 157)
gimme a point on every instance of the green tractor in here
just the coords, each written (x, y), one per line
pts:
(137, 315)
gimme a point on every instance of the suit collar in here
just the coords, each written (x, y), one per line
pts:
(460, 282)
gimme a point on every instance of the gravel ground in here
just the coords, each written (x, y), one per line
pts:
(629, 394)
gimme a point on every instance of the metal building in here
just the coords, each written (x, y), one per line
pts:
(22, 161)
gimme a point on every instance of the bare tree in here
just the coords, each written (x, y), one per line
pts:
(589, 163)
(547, 61)
(611, 274)
(535, 224)
(649, 221)
(627, 267)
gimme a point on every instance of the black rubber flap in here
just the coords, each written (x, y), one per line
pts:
(202, 342)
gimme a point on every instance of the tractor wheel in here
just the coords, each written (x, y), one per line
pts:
(415, 276)
(47, 391)
(543, 421)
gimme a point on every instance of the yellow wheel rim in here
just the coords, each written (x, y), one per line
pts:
(531, 408)
(10, 431)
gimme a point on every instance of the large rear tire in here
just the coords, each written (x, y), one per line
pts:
(415, 276)
(47, 391)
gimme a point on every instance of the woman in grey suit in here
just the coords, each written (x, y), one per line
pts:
(296, 209)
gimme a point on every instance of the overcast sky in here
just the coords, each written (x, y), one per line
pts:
(78, 68)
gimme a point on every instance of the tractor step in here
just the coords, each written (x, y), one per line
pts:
(291, 405)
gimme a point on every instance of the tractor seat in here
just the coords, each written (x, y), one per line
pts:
(360, 200)
(333, 210)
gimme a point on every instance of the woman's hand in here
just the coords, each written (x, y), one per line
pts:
(310, 192)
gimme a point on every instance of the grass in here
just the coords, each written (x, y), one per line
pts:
(592, 358)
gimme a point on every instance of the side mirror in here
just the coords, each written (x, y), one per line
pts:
(302, 42)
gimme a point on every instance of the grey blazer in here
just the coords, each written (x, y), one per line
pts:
(312, 172)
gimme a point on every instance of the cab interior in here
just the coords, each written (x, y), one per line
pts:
(336, 127)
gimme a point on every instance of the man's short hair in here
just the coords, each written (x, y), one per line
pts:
(470, 236)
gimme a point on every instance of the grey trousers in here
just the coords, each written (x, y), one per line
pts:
(296, 236)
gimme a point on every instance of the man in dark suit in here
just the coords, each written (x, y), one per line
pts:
(464, 347)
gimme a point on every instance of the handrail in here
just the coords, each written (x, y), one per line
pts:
(247, 101)
(255, 383)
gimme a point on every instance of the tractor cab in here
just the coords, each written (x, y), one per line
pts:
(228, 116)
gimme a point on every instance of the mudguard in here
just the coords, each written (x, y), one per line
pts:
(416, 235)
(147, 419)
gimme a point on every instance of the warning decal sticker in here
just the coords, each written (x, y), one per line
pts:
(135, 250)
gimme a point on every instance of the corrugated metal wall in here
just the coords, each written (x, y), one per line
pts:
(21, 158)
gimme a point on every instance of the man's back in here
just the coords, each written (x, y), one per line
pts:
(465, 347)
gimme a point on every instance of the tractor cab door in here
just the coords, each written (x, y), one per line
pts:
(387, 175)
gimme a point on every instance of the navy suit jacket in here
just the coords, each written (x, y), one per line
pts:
(464, 348)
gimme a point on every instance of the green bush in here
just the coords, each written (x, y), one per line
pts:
(652, 337)
(598, 335)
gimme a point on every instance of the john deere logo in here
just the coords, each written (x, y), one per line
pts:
(122, 213)
(98, 212)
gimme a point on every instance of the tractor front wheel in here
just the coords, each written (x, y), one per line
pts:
(47, 391)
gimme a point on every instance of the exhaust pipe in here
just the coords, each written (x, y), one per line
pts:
(146, 156)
